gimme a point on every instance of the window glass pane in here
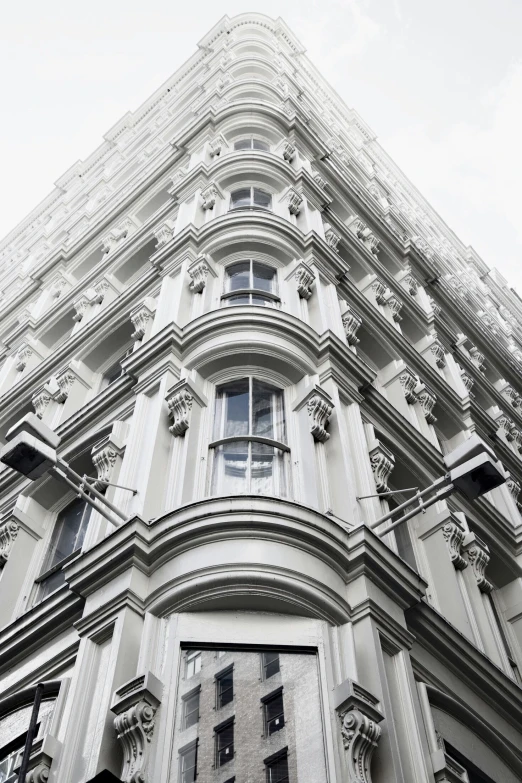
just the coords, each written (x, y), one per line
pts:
(188, 765)
(225, 744)
(262, 199)
(277, 771)
(260, 145)
(225, 688)
(263, 404)
(69, 531)
(230, 468)
(244, 299)
(263, 277)
(270, 664)
(8, 763)
(243, 144)
(53, 582)
(274, 714)
(241, 198)
(193, 663)
(238, 276)
(236, 408)
(191, 710)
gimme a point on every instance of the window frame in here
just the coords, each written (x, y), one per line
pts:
(265, 701)
(252, 138)
(192, 655)
(265, 665)
(218, 732)
(182, 753)
(251, 291)
(252, 205)
(185, 699)
(273, 759)
(219, 693)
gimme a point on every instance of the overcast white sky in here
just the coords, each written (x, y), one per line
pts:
(440, 83)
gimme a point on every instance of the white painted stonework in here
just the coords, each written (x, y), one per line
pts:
(247, 327)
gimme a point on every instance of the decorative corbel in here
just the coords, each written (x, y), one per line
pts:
(427, 399)
(359, 718)
(43, 752)
(477, 358)
(142, 317)
(351, 324)
(514, 488)
(135, 705)
(372, 243)
(411, 284)
(395, 306)
(358, 227)
(454, 536)
(320, 180)
(288, 152)
(382, 462)
(331, 237)
(8, 533)
(478, 557)
(409, 381)
(507, 425)
(380, 291)
(304, 276)
(105, 453)
(65, 380)
(179, 399)
(43, 396)
(198, 272)
(209, 196)
(437, 349)
(319, 406)
(294, 201)
(510, 394)
(22, 355)
(164, 233)
(437, 309)
(467, 380)
(215, 146)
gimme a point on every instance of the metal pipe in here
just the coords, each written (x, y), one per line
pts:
(110, 484)
(440, 495)
(390, 492)
(441, 480)
(94, 491)
(88, 499)
(31, 732)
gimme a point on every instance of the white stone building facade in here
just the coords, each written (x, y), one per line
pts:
(241, 312)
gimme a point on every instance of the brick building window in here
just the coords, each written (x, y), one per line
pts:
(192, 663)
(269, 664)
(188, 763)
(224, 734)
(191, 708)
(225, 687)
(273, 712)
(277, 767)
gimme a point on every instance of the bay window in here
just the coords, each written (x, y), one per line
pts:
(251, 143)
(250, 282)
(250, 198)
(249, 443)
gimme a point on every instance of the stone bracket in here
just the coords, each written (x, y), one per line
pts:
(179, 399)
(359, 716)
(319, 405)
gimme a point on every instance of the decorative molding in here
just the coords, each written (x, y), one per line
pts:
(359, 718)
(427, 399)
(331, 237)
(320, 180)
(135, 705)
(141, 317)
(103, 458)
(409, 381)
(382, 462)
(8, 533)
(304, 276)
(372, 243)
(209, 196)
(65, 380)
(22, 355)
(294, 201)
(319, 408)
(437, 309)
(40, 401)
(164, 233)
(358, 227)
(511, 395)
(198, 272)
(411, 284)
(506, 424)
(478, 557)
(477, 358)
(180, 407)
(351, 324)
(380, 291)
(514, 488)
(467, 380)
(395, 306)
(454, 536)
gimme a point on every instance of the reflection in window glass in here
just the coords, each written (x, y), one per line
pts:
(225, 687)
(190, 709)
(277, 770)
(246, 408)
(251, 144)
(188, 764)
(274, 713)
(255, 281)
(270, 662)
(68, 536)
(193, 663)
(224, 744)
(250, 198)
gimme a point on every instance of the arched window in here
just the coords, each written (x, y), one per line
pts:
(67, 539)
(251, 143)
(249, 439)
(250, 282)
(250, 198)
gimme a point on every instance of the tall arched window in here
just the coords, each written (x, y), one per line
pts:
(250, 282)
(250, 198)
(249, 439)
(67, 539)
(251, 143)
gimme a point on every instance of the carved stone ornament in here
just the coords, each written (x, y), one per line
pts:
(141, 318)
(467, 380)
(360, 731)
(351, 323)
(304, 276)
(382, 462)
(57, 287)
(505, 423)
(408, 380)
(512, 485)
(358, 228)
(427, 400)
(510, 394)
(135, 722)
(372, 243)
(332, 238)
(477, 358)
(80, 306)
(65, 381)
(294, 201)
(288, 152)
(22, 355)
(437, 349)
(40, 402)
(478, 558)
(8, 533)
(320, 180)
(209, 196)
(103, 459)
(434, 306)
(319, 410)
(395, 306)
(411, 284)
(215, 146)
(180, 407)
(454, 536)
(164, 233)
(39, 774)
(380, 291)
(198, 273)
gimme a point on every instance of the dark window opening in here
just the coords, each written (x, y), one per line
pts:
(224, 743)
(277, 768)
(274, 712)
(270, 664)
(188, 763)
(225, 687)
(190, 708)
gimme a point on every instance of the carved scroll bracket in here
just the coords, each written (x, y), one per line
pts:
(179, 399)
(454, 534)
(198, 271)
(8, 533)
(105, 453)
(304, 276)
(135, 705)
(478, 558)
(359, 718)
(382, 462)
